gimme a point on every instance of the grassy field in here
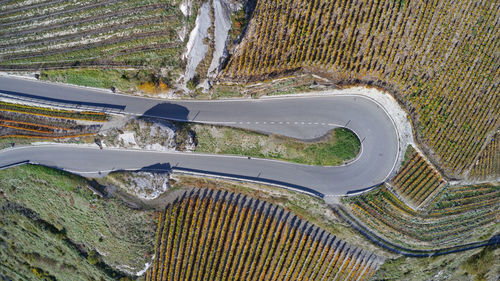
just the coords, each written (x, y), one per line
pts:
(98, 78)
(439, 59)
(53, 221)
(32, 252)
(478, 265)
(339, 146)
(126, 81)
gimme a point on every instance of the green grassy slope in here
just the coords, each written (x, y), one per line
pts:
(51, 218)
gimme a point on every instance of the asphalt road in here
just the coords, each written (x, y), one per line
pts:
(299, 117)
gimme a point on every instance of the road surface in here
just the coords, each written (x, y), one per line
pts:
(302, 117)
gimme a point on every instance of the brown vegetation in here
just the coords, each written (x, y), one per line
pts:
(440, 58)
(459, 215)
(22, 121)
(417, 181)
(488, 163)
(214, 235)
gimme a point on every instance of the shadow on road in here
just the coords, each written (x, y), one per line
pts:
(168, 111)
(157, 168)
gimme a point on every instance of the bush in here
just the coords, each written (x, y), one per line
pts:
(191, 84)
(93, 257)
(238, 22)
(478, 264)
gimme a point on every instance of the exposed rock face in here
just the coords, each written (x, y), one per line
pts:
(209, 37)
(196, 48)
(144, 185)
(223, 9)
(148, 134)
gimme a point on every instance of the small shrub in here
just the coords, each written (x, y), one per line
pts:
(93, 257)
(478, 264)
(191, 84)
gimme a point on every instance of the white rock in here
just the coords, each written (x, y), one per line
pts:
(222, 14)
(128, 138)
(196, 49)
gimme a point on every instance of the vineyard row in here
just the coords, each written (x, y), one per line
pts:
(215, 235)
(458, 215)
(440, 58)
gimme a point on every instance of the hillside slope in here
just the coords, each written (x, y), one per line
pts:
(440, 59)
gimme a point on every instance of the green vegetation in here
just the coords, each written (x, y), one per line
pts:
(481, 263)
(408, 153)
(7, 142)
(191, 84)
(238, 23)
(93, 257)
(98, 78)
(28, 251)
(53, 221)
(126, 81)
(337, 147)
(457, 267)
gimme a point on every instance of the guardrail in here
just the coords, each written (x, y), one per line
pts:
(79, 106)
(216, 175)
(256, 180)
(14, 164)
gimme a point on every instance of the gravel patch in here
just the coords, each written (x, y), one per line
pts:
(128, 139)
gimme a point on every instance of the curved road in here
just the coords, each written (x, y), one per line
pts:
(299, 117)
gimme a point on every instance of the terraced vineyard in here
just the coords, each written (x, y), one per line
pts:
(440, 58)
(214, 235)
(28, 122)
(60, 34)
(417, 181)
(488, 162)
(460, 215)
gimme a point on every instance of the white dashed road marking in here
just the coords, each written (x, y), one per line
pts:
(282, 123)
